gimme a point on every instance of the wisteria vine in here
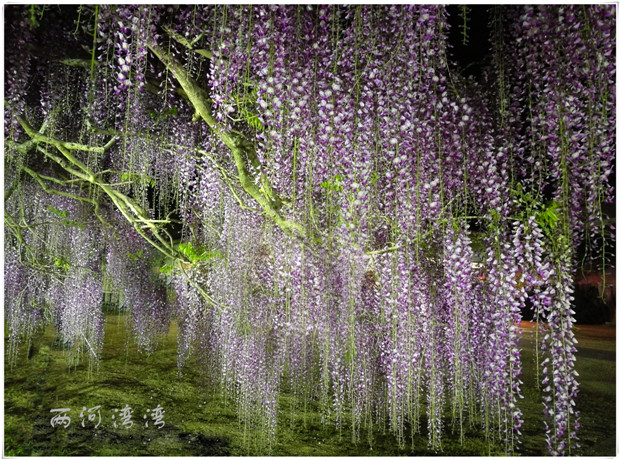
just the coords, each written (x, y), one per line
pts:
(319, 198)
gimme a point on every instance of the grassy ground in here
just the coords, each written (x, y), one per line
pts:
(199, 423)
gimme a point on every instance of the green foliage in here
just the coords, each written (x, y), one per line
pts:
(194, 254)
(251, 119)
(56, 211)
(198, 254)
(166, 269)
(64, 216)
(135, 255)
(132, 177)
(36, 13)
(62, 263)
(525, 201)
(547, 215)
(335, 185)
(188, 250)
(244, 103)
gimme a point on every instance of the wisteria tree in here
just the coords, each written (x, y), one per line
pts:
(323, 201)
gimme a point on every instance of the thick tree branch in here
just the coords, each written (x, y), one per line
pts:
(190, 45)
(40, 178)
(37, 136)
(133, 212)
(240, 147)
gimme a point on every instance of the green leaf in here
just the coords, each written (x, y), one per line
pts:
(251, 119)
(56, 211)
(129, 177)
(548, 218)
(495, 215)
(167, 269)
(335, 184)
(136, 255)
(186, 249)
(62, 263)
(199, 254)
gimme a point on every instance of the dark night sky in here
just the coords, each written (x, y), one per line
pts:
(471, 57)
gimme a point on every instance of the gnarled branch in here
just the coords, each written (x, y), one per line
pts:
(239, 146)
(133, 212)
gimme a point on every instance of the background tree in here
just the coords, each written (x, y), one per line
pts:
(318, 187)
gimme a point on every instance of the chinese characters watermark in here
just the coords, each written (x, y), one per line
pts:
(157, 415)
(61, 418)
(92, 417)
(125, 417)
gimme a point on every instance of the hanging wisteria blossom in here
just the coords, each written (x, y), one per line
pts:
(325, 204)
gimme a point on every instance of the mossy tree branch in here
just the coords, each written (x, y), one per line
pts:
(133, 212)
(240, 148)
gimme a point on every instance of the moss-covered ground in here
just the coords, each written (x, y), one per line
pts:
(198, 422)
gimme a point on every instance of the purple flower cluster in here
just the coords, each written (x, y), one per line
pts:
(505, 302)
(553, 301)
(434, 205)
(128, 266)
(126, 29)
(22, 291)
(564, 74)
(17, 69)
(64, 286)
(567, 74)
